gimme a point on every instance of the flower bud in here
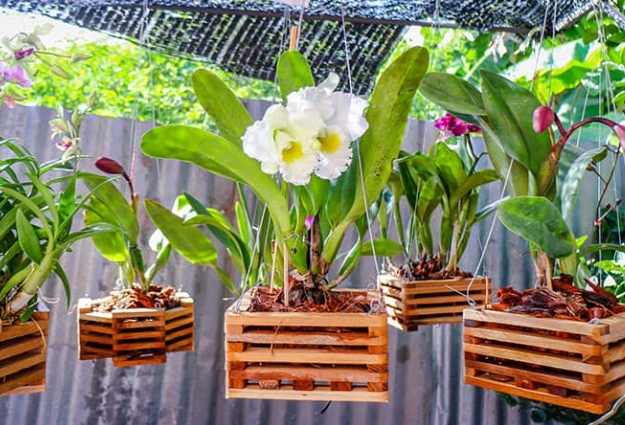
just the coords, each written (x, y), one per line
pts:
(543, 118)
(109, 166)
(619, 130)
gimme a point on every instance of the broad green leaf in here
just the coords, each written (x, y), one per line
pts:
(230, 115)
(452, 93)
(113, 206)
(112, 245)
(382, 247)
(341, 193)
(225, 234)
(28, 239)
(387, 116)
(537, 220)
(221, 157)
(188, 241)
(449, 167)
(516, 174)
(473, 181)
(510, 108)
(293, 73)
(569, 189)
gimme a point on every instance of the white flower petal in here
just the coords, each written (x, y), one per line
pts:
(299, 166)
(335, 154)
(349, 114)
(330, 83)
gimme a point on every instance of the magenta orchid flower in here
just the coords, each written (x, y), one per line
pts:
(451, 125)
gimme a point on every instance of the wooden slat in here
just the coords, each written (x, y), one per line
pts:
(593, 331)
(320, 393)
(314, 373)
(513, 336)
(20, 346)
(534, 357)
(294, 337)
(570, 402)
(302, 355)
(534, 375)
(18, 363)
(34, 376)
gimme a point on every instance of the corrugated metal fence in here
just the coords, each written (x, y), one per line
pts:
(425, 366)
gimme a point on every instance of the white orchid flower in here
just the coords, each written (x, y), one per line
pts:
(284, 143)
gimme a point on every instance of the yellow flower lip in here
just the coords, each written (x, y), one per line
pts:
(293, 152)
(330, 143)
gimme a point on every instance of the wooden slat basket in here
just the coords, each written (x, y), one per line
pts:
(429, 302)
(23, 349)
(307, 356)
(136, 336)
(567, 363)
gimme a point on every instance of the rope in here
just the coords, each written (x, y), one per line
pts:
(360, 166)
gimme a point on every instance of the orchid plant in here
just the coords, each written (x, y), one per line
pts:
(22, 55)
(37, 210)
(446, 179)
(303, 162)
(541, 171)
(109, 207)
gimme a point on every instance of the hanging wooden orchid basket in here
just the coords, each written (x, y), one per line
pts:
(571, 364)
(23, 349)
(136, 336)
(306, 355)
(410, 304)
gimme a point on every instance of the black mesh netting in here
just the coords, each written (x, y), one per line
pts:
(246, 36)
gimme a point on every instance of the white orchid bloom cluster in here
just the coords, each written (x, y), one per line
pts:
(311, 134)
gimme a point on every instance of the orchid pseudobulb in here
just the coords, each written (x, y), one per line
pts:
(311, 134)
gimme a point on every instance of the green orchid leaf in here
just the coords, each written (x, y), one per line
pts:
(452, 93)
(112, 206)
(470, 183)
(590, 249)
(106, 230)
(221, 157)
(226, 235)
(230, 115)
(449, 167)
(293, 73)
(112, 245)
(570, 187)
(516, 174)
(48, 197)
(510, 108)
(341, 193)
(243, 224)
(60, 272)
(537, 220)
(351, 259)
(162, 257)
(317, 190)
(29, 204)
(67, 200)
(28, 239)
(188, 241)
(382, 248)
